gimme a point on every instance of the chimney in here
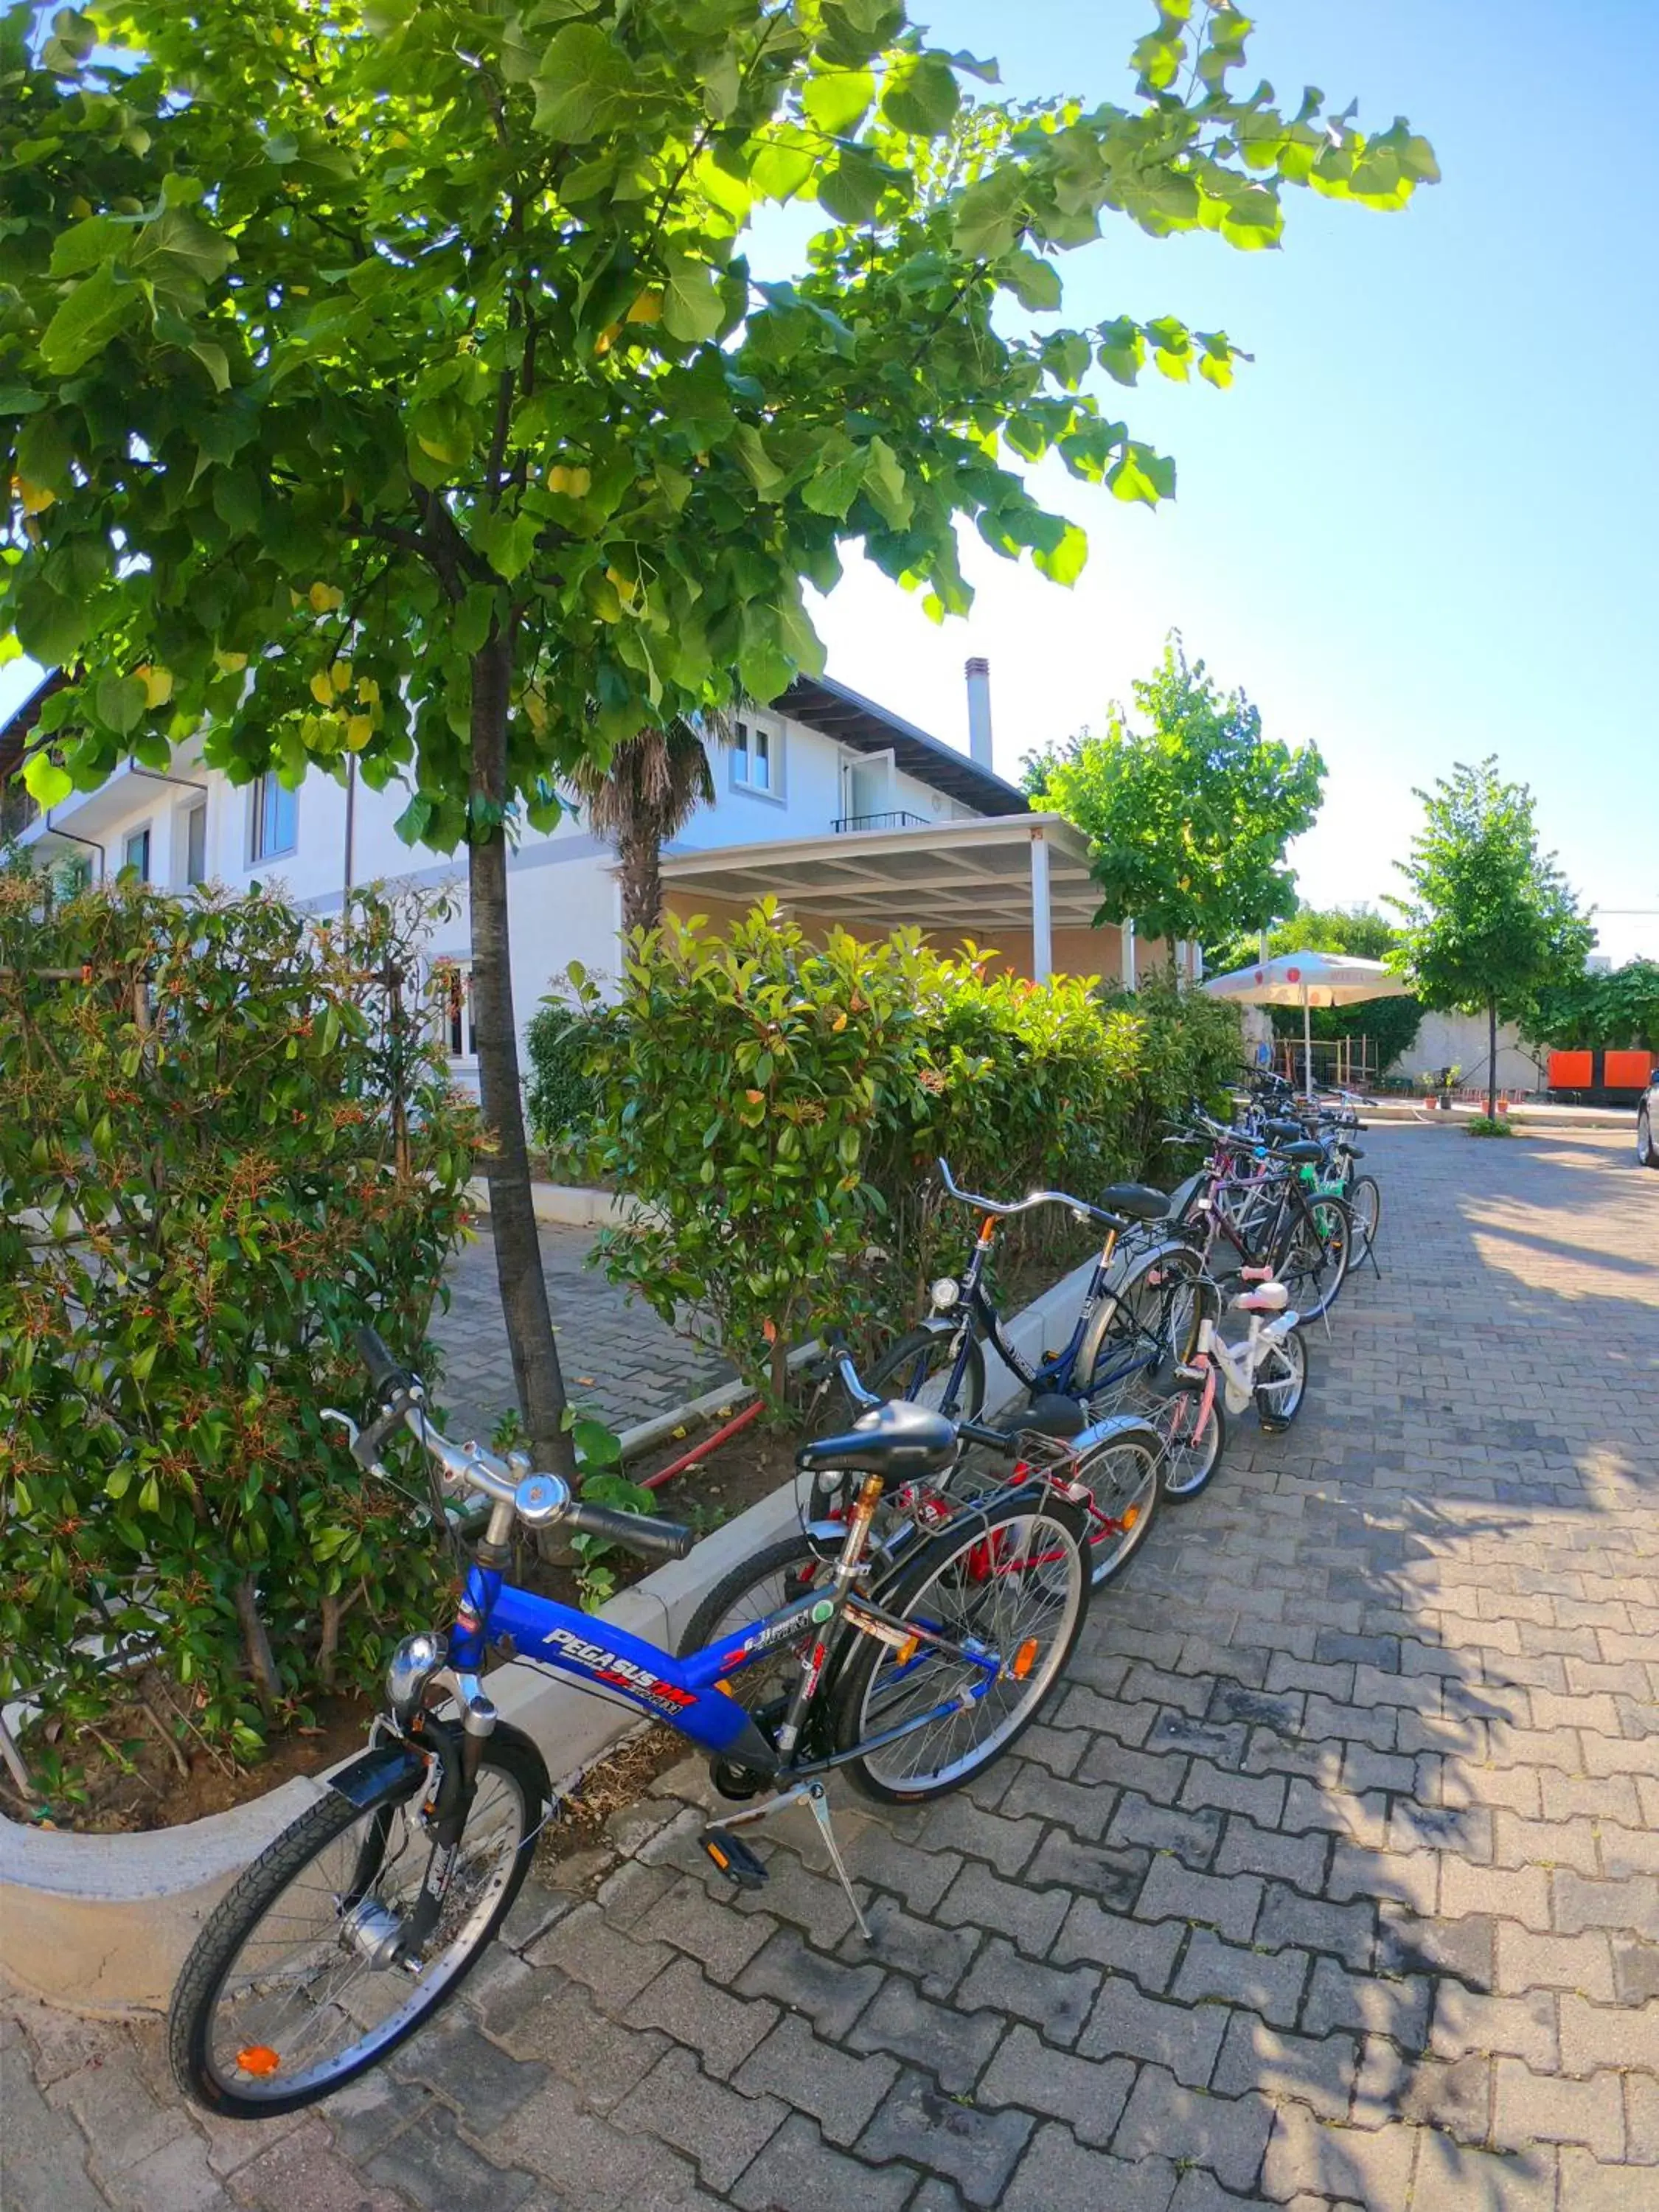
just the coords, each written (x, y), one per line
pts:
(979, 711)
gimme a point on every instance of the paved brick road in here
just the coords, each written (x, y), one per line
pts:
(620, 1361)
(1334, 1879)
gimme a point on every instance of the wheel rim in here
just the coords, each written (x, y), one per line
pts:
(1189, 1455)
(1021, 1584)
(1365, 1208)
(297, 1987)
(1643, 1140)
(1318, 1260)
(1280, 1379)
(770, 1676)
(1123, 1480)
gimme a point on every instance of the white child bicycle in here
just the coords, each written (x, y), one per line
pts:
(1269, 1367)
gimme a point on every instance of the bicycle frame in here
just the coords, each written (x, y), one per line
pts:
(1058, 1371)
(685, 1691)
(1237, 1363)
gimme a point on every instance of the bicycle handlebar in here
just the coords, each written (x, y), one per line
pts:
(539, 1500)
(1081, 1206)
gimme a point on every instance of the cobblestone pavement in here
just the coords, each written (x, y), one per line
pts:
(1331, 1880)
(620, 1361)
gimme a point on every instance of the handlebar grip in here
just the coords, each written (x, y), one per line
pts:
(649, 1540)
(387, 1378)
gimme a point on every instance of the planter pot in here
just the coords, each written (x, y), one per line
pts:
(101, 1925)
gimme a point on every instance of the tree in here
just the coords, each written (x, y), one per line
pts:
(1391, 1024)
(386, 380)
(1491, 923)
(1187, 819)
(649, 788)
(1619, 1010)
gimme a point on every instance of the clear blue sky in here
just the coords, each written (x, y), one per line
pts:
(1421, 527)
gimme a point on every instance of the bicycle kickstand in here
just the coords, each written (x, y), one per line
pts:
(745, 1871)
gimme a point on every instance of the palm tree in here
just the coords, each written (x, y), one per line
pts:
(649, 788)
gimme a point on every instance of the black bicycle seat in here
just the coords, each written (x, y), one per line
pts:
(1302, 1154)
(896, 1441)
(1137, 1200)
(1354, 1152)
(1052, 1414)
(1285, 1132)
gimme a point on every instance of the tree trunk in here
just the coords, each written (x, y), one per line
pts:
(256, 1643)
(536, 1372)
(639, 857)
(1492, 1058)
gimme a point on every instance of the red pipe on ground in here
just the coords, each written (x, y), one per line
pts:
(701, 1451)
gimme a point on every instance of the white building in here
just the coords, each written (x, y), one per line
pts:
(841, 811)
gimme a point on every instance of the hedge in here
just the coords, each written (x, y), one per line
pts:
(224, 1141)
(774, 1107)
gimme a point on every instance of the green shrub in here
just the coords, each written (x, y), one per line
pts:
(776, 1109)
(562, 1097)
(224, 1141)
(1490, 1125)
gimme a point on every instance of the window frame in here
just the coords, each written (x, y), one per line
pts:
(258, 850)
(193, 814)
(447, 1015)
(771, 727)
(146, 832)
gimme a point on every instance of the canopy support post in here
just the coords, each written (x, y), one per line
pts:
(1042, 949)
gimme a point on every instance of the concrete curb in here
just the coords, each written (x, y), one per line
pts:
(569, 1205)
(101, 1925)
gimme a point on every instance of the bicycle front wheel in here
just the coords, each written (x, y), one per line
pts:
(1122, 1473)
(918, 1367)
(280, 2001)
(1365, 1197)
(1281, 1381)
(1011, 1580)
(1153, 1318)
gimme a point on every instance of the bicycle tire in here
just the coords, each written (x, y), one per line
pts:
(1367, 1212)
(1056, 1526)
(1290, 1354)
(1334, 1261)
(755, 1588)
(1142, 1315)
(1189, 1467)
(236, 1919)
(921, 1357)
(1121, 1471)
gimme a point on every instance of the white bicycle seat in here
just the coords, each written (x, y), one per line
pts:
(1271, 1298)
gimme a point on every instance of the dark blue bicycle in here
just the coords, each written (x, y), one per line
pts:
(911, 1673)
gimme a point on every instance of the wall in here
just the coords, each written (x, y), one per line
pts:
(1460, 1041)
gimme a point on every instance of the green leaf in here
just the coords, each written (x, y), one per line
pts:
(692, 308)
(120, 701)
(987, 214)
(1064, 563)
(46, 783)
(836, 100)
(1121, 351)
(836, 485)
(1034, 282)
(86, 321)
(1143, 475)
(921, 95)
(84, 245)
(584, 85)
(883, 479)
(213, 359)
(178, 245)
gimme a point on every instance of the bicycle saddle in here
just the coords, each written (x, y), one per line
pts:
(895, 1441)
(1137, 1200)
(1354, 1152)
(1285, 1132)
(1304, 1153)
(1052, 1414)
(1266, 1297)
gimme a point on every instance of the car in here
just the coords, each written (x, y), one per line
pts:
(1647, 1123)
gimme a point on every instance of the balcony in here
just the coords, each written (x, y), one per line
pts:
(897, 820)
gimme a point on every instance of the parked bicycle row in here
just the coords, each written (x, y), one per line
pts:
(907, 1635)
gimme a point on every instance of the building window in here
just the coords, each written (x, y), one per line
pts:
(275, 818)
(74, 876)
(756, 757)
(452, 985)
(135, 854)
(196, 844)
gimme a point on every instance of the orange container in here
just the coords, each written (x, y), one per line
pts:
(1626, 1070)
(1570, 1070)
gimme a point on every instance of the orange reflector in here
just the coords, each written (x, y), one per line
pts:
(258, 2059)
(718, 1856)
(725, 1688)
(1131, 1517)
(1024, 1659)
(906, 1650)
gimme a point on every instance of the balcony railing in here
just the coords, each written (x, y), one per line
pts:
(897, 820)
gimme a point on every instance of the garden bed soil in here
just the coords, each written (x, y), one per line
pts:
(144, 1790)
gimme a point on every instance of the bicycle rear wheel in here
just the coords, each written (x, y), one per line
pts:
(280, 2001)
(1121, 1475)
(1317, 1256)
(1153, 1317)
(1010, 1577)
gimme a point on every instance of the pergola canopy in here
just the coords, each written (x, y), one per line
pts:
(1008, 872)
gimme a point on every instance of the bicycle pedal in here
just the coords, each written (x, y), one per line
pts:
(733, 1858)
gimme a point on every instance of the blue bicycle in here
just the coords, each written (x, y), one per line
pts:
(911, 1673)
